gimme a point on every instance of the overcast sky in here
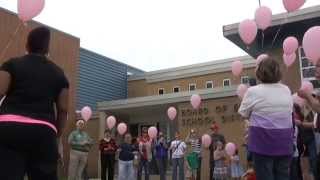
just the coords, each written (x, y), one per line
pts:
(152, 34)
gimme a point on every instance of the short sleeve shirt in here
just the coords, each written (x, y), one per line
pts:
(35, 86)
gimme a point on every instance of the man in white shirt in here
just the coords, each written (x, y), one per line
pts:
(178, 149)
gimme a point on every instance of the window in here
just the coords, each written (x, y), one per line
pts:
(176, 89)
(307, 68)
(226, 82)
(245, 80)
(209, 84)
(192, 87)
(160, 91)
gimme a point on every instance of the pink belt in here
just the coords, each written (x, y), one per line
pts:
(26, 120)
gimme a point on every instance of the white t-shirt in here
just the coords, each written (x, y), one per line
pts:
(178, 149)
(267, 98)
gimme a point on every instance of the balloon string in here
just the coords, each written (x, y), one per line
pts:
(260, 3)
(262, 39)
(278, 32)
(3, 53)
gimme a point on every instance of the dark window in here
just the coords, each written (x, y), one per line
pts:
(161, 91)
(176, 89)
(209, 84)
(192, 87)
(226, 83)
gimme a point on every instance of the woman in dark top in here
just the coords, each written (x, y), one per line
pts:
(126, 156)
(108, 148)
(33, 112)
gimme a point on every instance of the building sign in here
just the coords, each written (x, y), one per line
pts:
(208, 115)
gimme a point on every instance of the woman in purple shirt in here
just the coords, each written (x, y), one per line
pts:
(162, 155)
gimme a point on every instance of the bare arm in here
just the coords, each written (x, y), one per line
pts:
(62, 110)
(5, 80)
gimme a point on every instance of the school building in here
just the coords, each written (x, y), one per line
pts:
(141, 99)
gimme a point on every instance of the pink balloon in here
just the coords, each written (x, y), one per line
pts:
(261, 58)
(28, 9)
(122, 128)
(86, 113)
(263, 17)
(290, 45)
(236, 68)
(230, 149)
(111, 122)
(172, 113)
(293, 5)
(248, 31)
(307, 87)
(241, 91)
(153, 132)
(206, 140)
(298, 100)
(311, 44)
(289, 59)
(195, 101)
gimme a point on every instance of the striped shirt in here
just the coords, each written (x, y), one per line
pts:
(269, 107)
(195, 145)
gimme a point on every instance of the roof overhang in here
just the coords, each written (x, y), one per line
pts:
(199, 69)
(165, 100)
(285, 24)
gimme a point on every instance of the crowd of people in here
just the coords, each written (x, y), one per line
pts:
(281, 136)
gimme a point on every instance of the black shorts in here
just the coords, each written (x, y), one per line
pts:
(27, 149)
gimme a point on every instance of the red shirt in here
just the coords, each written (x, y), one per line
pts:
(143, 141)
(109, 147)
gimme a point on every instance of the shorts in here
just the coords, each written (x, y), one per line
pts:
(27, 149)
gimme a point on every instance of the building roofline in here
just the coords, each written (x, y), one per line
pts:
(199, 69)
(278, 19)
(165, 99)
(37, 22)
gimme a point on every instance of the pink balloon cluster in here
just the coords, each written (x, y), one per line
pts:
(153, 132)
(248, 31)
(195, 101)
(230, 148)
(86, 113)
(311, 44)
(237, 68)
(122, 128)
(206, 140)
(263, 17)
(28, 9)
(290, 46)
(293, 5)
(111, 122)
(172, 113)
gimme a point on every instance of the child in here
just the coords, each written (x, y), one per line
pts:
(250, 174)
(236, 168)
(220, 171)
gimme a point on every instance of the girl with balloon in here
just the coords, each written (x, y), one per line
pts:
(221, 170)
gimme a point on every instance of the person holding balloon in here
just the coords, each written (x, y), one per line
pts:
(178, 149)
(145, 153)
(34, 111)
(80, 143)
(269, 107)
(220, 171)
(108, 148)
(127, 154)
(194, 165)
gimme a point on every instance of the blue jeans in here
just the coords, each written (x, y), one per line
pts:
(143, 164)
(178, 164)
(126, 170)
(162, 166)
(312, 152)
(271, 167)
(295, 169)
